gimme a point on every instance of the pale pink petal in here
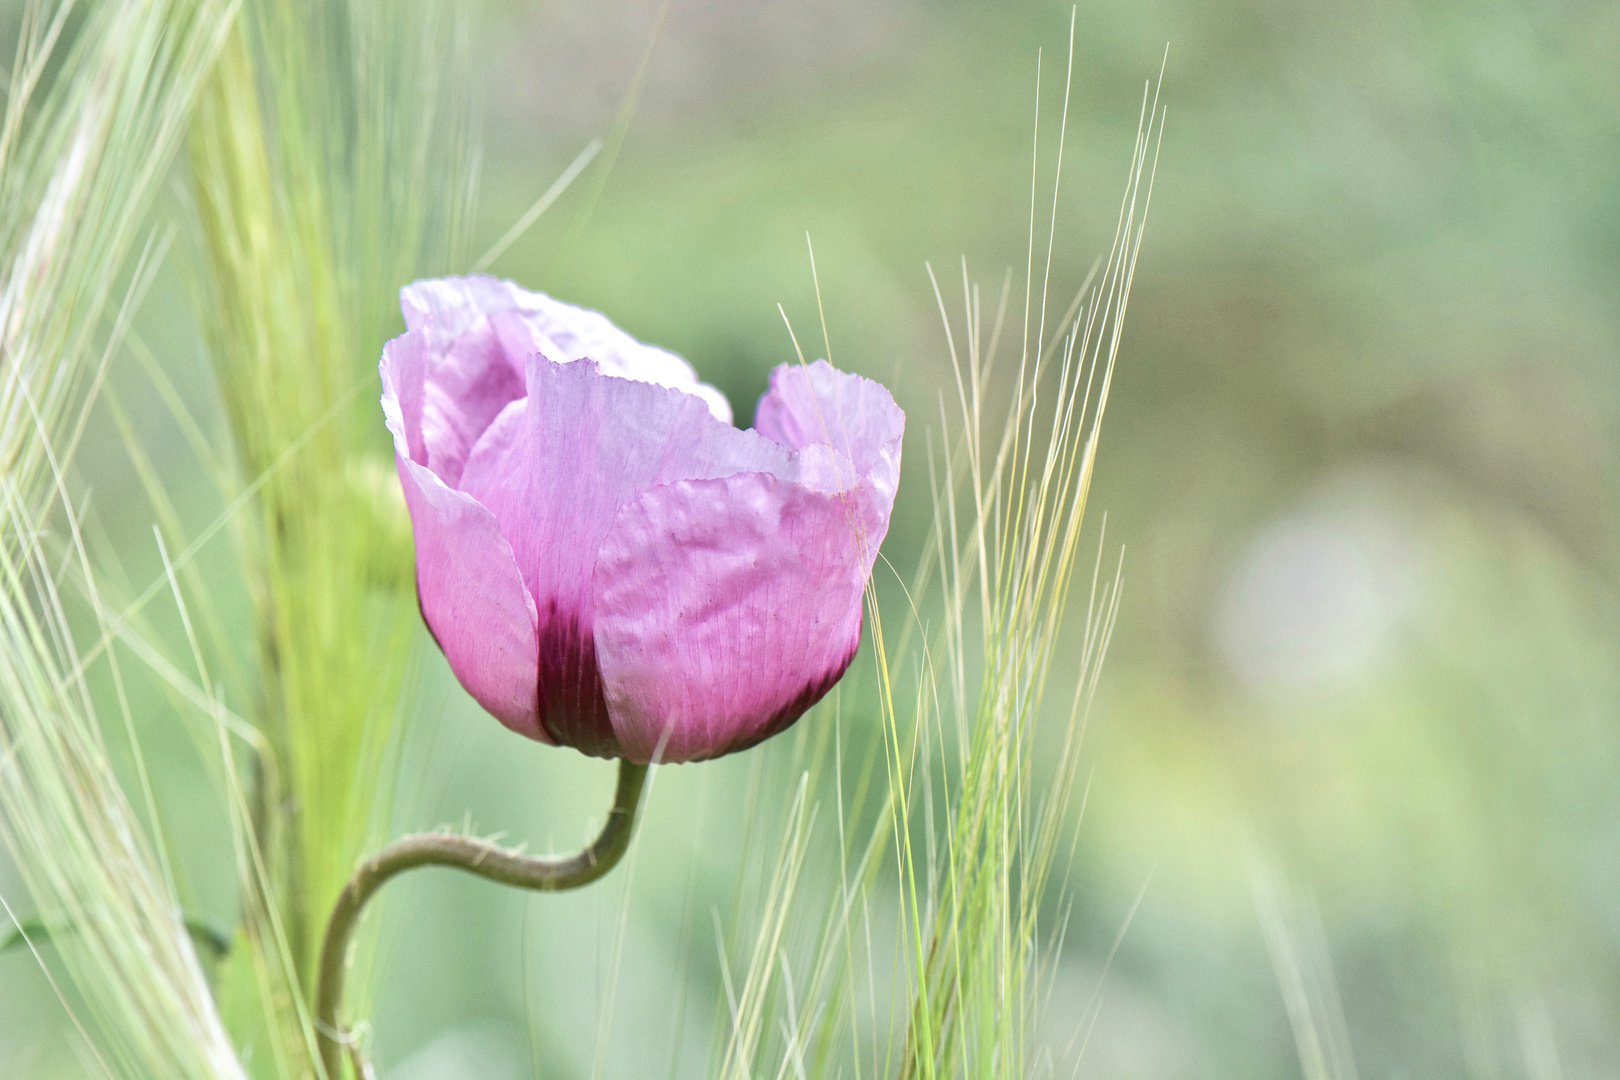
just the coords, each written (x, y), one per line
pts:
(453, 304)
(473, 599)
(564, 332)
(817, 403)
(446, 394)
(723, 610)
(469, 382)
(811, 404)
(556, 467)
(534, 322)
(404, 373)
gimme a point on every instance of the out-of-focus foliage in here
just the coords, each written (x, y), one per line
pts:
(83, 152)
(1361, 453)
(319, 132)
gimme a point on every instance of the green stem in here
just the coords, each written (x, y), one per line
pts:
(461, 853)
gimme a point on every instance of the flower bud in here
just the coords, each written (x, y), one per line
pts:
(605, 560)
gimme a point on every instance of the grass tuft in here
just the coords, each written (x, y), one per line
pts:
(938, 937)
(311, 147)
(82, 153)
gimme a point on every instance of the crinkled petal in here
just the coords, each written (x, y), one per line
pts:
(810, 404)
(468, 383)
(534, 322)
(453, 304)
(605, 561)
(447, 393)
(473, 599)
(555, 469)
(817, 403)
(723, 610)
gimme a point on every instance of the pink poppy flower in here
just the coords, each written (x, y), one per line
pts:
(605, 560)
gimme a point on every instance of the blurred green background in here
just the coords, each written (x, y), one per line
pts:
(1361, 453)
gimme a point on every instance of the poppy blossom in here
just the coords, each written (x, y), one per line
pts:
(605, 560)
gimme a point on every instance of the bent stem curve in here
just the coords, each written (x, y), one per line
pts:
(475, 856)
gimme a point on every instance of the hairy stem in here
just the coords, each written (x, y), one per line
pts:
(461, 853)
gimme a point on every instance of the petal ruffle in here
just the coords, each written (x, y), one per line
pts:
(534, 322)
(556, 467)
(473, 599)
(452, 305)
(817, 403)
(810, 404)
(446, 394)
(469, 381)
(723, 610)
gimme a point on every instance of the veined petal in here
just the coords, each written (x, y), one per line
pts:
(453, 304)
(723, 610)
(556, 467)
(811, 404)
(447, 392)
(469, 381)
(473, 598)
(817, 403)
(530, 322)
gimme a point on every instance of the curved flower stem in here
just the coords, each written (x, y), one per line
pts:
(461, 853)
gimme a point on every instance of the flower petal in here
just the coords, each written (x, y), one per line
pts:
(723, 610)
(468, 384)
(534, 322)
(817, 403)
(447, 393)
(556, 467)
(811, 404)
(404, 373)
(473, 598)
(453, 304)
